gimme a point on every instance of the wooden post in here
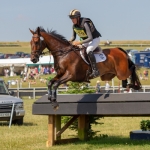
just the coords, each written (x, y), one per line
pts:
(83, 125)
(51, 133)
(57, 126)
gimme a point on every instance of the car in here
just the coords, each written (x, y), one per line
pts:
(7, 55)
(147, 49)
(128, 50)
(27, 56)
(132, 52)
(13, 57)
(7, 103)
(2, 56)
(20, 54)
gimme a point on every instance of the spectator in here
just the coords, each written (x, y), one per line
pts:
(97, 87)
(21, 74)
(52, 70)
(145, 74)
(28, 72)
(36, 70)
(25, 78)
(7, 72)
(107, 86)
(31, 75)
(140, 76)
(48, 70)
(45, 70)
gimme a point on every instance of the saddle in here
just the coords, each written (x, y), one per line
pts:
(84, 55)
(97, 50)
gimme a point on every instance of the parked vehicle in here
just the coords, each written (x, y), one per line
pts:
(7, 55)
(128, 50)
(132, 52)
(20, 54)
(147, 49)
(2, 56)
(7, 101)
(27, 56)
(13, 57)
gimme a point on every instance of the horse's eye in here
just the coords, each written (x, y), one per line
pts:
(36, 43)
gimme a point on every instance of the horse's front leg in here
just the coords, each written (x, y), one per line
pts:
(50, 84)
(54, 95)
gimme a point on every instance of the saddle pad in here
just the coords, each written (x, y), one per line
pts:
(100, 57)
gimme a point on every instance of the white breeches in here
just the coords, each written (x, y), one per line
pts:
(92, 45)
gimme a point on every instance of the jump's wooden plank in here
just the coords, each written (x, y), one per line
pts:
(97, 98)
(103, 109)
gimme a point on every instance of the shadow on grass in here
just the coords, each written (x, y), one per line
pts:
(111, 141)
(24, 124)
(114, 140)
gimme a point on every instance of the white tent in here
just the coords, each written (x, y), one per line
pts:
(20, 63)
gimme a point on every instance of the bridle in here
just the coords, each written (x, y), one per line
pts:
(38, 52)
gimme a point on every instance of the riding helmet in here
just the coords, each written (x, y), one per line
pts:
(74, 14)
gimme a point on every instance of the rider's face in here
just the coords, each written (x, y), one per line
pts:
(74, 20)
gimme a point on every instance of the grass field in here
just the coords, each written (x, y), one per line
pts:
(33, 134)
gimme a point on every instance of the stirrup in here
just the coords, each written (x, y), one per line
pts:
(95, 73)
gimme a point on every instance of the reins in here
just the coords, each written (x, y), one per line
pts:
(61, 52)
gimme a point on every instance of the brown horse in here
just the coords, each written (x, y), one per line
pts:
(69, 65)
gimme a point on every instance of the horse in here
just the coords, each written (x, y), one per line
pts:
(70, 66)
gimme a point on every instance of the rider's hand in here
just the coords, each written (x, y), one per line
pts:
(76, 43)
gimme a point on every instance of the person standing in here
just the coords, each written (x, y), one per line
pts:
(107, 86)
(98, 87)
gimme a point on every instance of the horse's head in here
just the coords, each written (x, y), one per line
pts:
(37, 45)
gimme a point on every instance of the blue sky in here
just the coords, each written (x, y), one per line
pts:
(114, 19)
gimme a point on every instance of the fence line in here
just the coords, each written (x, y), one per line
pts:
(33, 92)
(126, 45)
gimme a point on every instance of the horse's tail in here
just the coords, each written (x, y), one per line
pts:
(135, 82)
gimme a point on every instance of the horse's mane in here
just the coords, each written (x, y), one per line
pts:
(55, 34)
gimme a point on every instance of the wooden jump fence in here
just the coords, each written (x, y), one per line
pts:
(80, 106)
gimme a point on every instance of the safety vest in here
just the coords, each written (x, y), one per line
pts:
(81, 32)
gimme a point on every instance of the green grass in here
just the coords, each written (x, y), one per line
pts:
(33, 134)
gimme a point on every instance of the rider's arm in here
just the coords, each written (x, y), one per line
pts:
(73, 35)
(88, 32)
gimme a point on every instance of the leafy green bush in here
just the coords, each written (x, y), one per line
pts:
(145, 125)
(76, 88)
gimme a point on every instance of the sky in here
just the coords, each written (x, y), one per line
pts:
(114, 19)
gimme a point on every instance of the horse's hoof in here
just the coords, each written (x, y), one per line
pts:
(49, 97)
(55, 106)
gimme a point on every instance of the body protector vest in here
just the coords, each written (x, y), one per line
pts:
(81, 32)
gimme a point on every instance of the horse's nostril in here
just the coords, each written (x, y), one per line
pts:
(33, 60)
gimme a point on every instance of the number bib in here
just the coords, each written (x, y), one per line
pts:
(81, 33)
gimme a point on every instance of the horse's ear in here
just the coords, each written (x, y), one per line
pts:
(31, 31)
(38, 31)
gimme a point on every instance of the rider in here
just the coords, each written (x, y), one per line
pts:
(89, 36)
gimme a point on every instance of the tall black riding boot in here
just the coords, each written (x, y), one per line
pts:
(95, 71)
